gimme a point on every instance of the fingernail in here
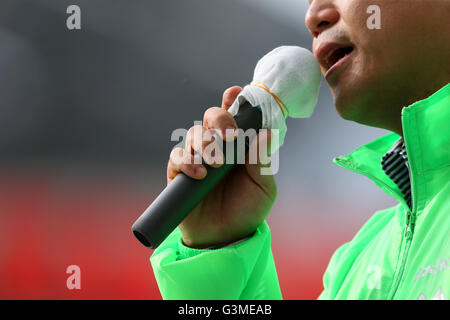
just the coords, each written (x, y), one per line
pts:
(200, 171)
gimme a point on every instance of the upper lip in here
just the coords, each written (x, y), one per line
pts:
(328, 53)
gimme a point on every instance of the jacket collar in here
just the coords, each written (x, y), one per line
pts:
(426, 131)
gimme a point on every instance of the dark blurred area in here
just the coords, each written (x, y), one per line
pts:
(86, 118)
(115, 90)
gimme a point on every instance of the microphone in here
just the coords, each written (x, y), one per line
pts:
(285, 83)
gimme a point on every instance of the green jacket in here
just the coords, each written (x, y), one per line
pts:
(398, 254)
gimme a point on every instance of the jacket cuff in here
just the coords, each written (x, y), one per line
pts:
(188, 252)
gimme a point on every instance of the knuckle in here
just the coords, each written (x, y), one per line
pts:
(226, 117)
(230, 93)
(227, 92)
(176, 152)
(193, 130)
(211, 114)
(186, 159)
(231, 90)
(213, 109)
(213, 155)
(176, 158)
(192, 137)
(221, 119)
(208, 137)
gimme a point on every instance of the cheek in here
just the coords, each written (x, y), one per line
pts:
(400, 35)
(376, 48)
(354, 13)
(368, 42)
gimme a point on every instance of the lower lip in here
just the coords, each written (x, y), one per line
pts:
(338, 64)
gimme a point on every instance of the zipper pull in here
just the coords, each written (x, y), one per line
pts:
(409, 225)
(408, 233)
(412, 222)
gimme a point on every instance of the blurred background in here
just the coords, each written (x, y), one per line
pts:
(85, 123)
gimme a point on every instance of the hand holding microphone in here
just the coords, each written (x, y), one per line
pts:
(216, 204)
(240, 202)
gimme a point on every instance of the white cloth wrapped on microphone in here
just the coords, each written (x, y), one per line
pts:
(285, 83)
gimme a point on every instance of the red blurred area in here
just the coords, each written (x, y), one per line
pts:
(47, 224)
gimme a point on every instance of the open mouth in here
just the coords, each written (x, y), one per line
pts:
(331, 55)
(335, 56)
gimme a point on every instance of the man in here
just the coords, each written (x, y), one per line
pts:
(394, 78)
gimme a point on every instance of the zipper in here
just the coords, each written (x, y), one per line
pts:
(410, 221)
(410, 215)
(408, 235)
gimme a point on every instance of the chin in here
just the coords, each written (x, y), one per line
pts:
(353, 106)
(357, 98)
(344, 106)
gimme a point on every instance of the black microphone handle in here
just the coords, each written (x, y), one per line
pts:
(183, 194)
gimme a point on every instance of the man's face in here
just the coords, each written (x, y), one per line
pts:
(372, 73)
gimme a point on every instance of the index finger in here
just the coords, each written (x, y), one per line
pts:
(229, 95)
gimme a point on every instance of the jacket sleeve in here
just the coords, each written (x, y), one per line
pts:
(244, 271)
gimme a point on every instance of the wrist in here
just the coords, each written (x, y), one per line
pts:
(188, 242)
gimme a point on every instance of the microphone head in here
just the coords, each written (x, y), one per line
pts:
(285, 83)
(293, 75)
